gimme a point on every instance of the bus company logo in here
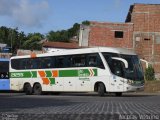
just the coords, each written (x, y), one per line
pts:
(16, 75)
(82, 73)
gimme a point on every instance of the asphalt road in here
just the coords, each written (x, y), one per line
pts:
(18, 106)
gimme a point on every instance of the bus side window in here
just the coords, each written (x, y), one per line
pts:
(68, 61)
(15, 63)
(35, 63)
(22, 64)
(47, 62)
(28, 64)
(78, 61)
(60, 62)
(94, 60)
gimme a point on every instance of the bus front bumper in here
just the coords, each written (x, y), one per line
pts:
(134, 88)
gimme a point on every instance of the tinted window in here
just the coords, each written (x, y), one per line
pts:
(78, 61)
(81, 60)
(94, 60)
(4, 70)
(47, 62)
(21, 63)
(114, 65)
(35, 63)
(4, 66)
(108, 58)
(15, 63)
(60, 63)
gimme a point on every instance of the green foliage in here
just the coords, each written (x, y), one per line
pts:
(18, 40)
(73, 31)
(149, 73)
(86, 22)
(33, 41)
(65, 35)
(61, 36)
(12, 38)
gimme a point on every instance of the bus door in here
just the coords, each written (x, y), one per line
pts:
(117, 79)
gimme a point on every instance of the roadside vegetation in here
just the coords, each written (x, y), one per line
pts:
(152, 85)
(31, 41)
(149, 73)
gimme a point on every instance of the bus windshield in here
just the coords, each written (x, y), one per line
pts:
(4, 69)
(134, 70)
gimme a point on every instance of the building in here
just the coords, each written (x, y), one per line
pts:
(140, 32)
(4, 51)
(106, 34)
(146, 32)
(56, 46)
(21, 52)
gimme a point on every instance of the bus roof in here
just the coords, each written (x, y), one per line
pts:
(83, 51)
(117, 50)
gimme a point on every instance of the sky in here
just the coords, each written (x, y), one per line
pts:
(42, 16)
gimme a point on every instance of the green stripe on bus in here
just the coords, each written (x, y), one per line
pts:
(83, 73)
(20, 74)
(68, 73)
(78, 73)
(34, 74)
(95, 72)
(52, 81)
(87, 72)
(62, 73)
(48, 73)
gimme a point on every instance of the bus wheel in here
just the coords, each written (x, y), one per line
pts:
(28, 89)
(101, 89)
(37, 89)
(118, 93)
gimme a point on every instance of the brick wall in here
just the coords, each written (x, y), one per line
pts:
(141, 33)
(146, 17)
(103, 34)
(146, 33)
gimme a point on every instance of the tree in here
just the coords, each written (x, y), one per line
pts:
(18, 40)
(74, 30)
(65, 35)
(11, 37)
(61, 36)
(86, 22)
(149, 73)
(33, 41)
(21, 38)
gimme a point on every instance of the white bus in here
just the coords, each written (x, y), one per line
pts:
(101, 69)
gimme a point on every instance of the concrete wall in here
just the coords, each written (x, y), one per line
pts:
(84, 35)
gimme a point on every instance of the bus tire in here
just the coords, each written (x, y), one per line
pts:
(37, 89)
(101, 89)
(27, 89)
